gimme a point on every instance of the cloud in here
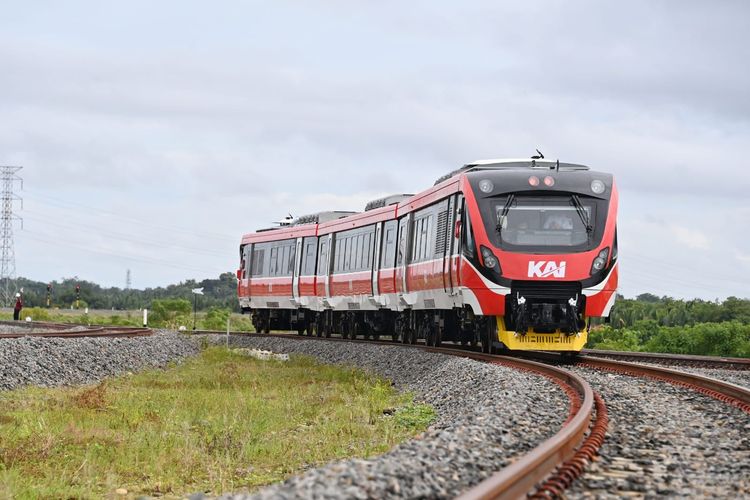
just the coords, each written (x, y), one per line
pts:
(689, 237)
(217, 122)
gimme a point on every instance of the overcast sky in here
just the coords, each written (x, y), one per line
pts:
(154, 134)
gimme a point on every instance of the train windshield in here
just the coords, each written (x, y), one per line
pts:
(543, 224)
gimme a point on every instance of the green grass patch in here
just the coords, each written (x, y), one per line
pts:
(220, 422)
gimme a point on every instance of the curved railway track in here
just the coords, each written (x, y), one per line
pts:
(62, 330)
(549, 469)
(725, 363)
(553, 465)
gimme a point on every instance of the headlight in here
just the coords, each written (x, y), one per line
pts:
(549, 181)
(486, 186)
(600, 261)
(597, 186)
(489, 260)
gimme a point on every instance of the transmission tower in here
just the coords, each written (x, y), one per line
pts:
(8, 178)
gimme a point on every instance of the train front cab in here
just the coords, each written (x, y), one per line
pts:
(541, 261)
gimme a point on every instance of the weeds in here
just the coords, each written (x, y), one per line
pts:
(218, 423)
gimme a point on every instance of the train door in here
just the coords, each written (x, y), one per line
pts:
(404, 247)
(327, 270)
(448, 236)
(246, 269)
(297, 268)
(375, 268)
(455, 244)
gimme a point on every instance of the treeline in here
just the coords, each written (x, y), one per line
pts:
(217, 293)
(663, 324)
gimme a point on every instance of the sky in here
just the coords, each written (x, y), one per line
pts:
(152, 135)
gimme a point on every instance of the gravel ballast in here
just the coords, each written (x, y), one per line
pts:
(73, 361)
(487, 415)
(666, 441)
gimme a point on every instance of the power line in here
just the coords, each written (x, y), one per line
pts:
(52, 201)
(8, 178)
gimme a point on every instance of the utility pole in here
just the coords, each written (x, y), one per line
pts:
(8, 179)
(128, 280)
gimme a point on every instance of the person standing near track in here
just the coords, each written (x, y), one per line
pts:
(18, 307)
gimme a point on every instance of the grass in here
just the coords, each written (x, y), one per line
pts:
(238, 322)
(220, 422)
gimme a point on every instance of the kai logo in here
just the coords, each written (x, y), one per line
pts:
(546, 268)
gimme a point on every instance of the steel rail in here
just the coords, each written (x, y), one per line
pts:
(672, 359)
(65, 330)
(732, 394)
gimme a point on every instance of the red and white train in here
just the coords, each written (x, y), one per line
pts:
(519, 254)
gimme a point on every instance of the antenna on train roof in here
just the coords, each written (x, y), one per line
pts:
(539, 156)
(287, 221)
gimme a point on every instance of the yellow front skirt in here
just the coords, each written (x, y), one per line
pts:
(532, 341)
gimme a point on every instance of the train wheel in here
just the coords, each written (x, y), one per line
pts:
(486, 345)
(428, 332)
(327, 328)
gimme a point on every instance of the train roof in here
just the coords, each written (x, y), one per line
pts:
(358, 220)
(501, 164)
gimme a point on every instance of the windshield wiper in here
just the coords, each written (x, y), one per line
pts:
(503, 214)
(582, 213)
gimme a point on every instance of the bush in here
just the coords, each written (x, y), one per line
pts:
(170, 313)
(216, 319)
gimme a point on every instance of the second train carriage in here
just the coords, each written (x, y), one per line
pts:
(506, 253)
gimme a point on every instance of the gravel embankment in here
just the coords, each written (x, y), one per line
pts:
(72, 361)
(487, 415)
(666, 441)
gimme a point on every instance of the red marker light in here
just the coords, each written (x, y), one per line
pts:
(534, 180)
(549, 181)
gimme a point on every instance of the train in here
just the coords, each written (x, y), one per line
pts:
(506, 254)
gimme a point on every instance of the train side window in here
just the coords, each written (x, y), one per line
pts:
(357, 252)
(308, 256)
(339, 249)
(402, 241)
(272, 261)
(360, 252)
(389, 245)
(415, 243)
(367, 258)
(345, 254)
(292, 257)
(323, 258)
(468, 235)
(258, 262)
(281, 257)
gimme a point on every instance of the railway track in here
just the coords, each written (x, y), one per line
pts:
(551, 467)
(725, 363)
(61, 330)
(555, 463)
